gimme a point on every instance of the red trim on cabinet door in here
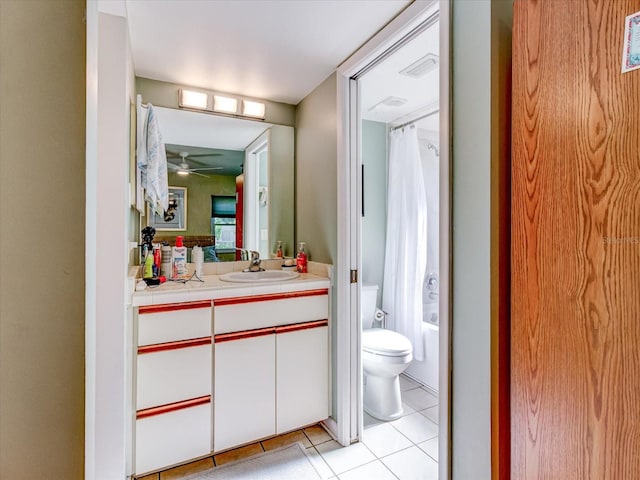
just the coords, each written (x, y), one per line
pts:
(268, 297)
(228, 337)
(172, 407)
(170, 307)
(302, 326)
(161, 347)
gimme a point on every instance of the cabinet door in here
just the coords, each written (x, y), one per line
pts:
(172, 437)
(244, 392)
(302, 372)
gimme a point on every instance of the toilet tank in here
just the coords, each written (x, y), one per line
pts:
(368, 304)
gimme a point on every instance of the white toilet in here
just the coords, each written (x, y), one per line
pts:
(385, 355)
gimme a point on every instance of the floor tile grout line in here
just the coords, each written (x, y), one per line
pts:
(428, 455)
(398, 451)
(363, 444)
(367, 463)
(420, 412)
(351, 469)
(324, 461)
(385, 466)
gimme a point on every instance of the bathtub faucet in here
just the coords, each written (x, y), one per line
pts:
(432, 285)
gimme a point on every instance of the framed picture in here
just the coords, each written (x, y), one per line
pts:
(175, 218)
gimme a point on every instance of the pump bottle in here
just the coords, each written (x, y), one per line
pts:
(179, 260)
(301, 258)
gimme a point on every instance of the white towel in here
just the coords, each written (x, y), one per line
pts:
(152, 162)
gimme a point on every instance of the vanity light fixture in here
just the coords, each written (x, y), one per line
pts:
(191, 99)
(220, 103)
(225, 104)
(253, 109)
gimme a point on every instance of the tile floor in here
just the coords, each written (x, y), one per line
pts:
(404, 449)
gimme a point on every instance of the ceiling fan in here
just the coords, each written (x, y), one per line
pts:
(183, 167)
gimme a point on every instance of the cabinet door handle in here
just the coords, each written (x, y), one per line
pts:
(228, 337)
(302, 326)
(267, 297)
(178, 344)
(172, 307)
(172, 407)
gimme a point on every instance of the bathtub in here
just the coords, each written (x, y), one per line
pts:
(426, 371)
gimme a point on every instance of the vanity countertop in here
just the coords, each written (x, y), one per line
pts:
(212, 288)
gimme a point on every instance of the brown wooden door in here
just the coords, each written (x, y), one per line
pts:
(575, 298)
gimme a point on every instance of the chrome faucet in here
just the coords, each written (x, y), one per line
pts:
(254, 261)
(432, 285)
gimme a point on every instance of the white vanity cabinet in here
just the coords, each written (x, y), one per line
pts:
(271, 371)
(173, 373)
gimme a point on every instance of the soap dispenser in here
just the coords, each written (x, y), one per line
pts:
(179, 260)
(301, 258)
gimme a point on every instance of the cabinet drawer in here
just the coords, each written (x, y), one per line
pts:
(167, 323)
(169, 438)
(172, 375)
(239, 314)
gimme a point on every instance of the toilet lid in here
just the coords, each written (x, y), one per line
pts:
(385, 342)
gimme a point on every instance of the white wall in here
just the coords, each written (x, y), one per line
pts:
(374, 222)
(107, 316)
(471, 435)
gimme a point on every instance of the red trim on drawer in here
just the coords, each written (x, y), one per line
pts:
(172, 407)
(302, 326)
(222, 302)
(228, 337)
(161, 347)
(170, 307)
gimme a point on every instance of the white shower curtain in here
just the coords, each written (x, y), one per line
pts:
(406, 246)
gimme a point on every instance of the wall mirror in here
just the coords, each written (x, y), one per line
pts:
(239, 178)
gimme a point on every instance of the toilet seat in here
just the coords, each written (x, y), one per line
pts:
(380, 341)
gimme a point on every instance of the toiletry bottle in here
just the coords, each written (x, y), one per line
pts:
(148, 266)
(156, 260)
(301, 258)
(197, 258)
(279, 253)
(165, 261)
(179, 260)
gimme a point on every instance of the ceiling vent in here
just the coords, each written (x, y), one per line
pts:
(392, 101)
(420, 68)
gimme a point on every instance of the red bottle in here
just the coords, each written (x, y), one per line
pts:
(301, 259)
(156, 260)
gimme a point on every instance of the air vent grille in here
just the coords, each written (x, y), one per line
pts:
(421, 67)
(389, 102)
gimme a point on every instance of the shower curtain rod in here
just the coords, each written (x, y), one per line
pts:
(421, 117)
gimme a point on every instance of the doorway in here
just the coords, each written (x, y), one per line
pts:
(256, 196)
(377, 102)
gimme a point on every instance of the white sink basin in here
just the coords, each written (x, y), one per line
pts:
(259, 277)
